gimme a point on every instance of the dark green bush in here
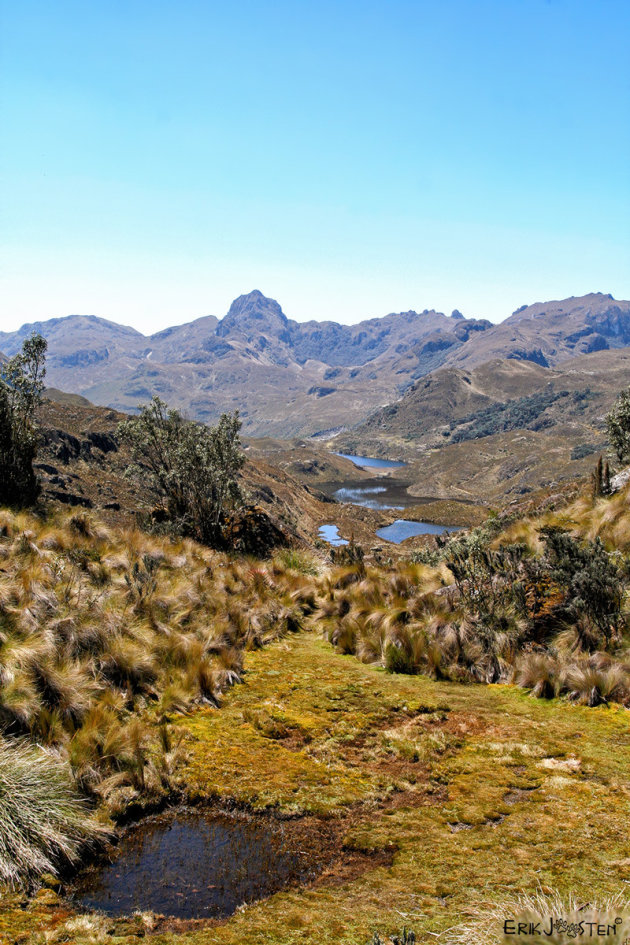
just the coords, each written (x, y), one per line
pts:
(189, 467)
(21, 386)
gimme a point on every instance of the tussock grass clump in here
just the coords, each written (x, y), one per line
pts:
(563, 918)
(293, 560)
(539, 602)
(44, 823)
(106, 634)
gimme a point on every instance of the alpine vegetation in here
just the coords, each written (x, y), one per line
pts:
(540, 602)
(191, 469)
(44, 823)
(21, 387)
(105, 637)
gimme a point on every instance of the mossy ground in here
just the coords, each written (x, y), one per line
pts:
(478, 791)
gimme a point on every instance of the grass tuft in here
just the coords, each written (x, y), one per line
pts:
(44, 824)
(555, 918)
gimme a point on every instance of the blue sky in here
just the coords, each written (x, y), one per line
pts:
(347, 158)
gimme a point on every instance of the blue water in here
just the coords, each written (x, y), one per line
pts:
(403, 528)
(371, 461)
(330, 533)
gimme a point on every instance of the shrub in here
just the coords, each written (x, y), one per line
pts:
(347, 554)
(21, 386)
(589, 577)
(190, 467)
(618, 425)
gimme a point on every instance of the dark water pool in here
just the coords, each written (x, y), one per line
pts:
(403, 528)
(371, 461)
(194, 865)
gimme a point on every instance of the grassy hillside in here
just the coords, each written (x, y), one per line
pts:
(497, 430)
(437, 797)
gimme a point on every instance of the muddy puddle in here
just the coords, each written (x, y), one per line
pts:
(195, 864)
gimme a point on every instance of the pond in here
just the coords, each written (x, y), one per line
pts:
(403, 528)
(330, 533)
(193, 865)
(379, 492)
(371, 461)
(371, 497)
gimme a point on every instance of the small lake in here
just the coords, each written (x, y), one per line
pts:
(194, 865)
(330, 533)
(371, 497)
(371, 461)
(403, 528)
(379, 492)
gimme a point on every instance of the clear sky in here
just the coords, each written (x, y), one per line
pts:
(347, 157)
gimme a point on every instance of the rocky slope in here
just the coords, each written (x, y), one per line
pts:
(548, 333)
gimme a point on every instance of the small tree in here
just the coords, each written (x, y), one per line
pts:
(21, 388)
(618, 425)
(192, 468)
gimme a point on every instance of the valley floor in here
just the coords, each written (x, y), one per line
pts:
(433, 799)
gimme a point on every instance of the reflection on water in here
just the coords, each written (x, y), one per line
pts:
(362, 496)
(403, 528)
(371, 461)
(379, 492)
(195, 865)
(330, 533)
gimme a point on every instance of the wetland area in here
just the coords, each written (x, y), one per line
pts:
(380, 493)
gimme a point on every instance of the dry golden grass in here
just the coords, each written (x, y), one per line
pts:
(105, 634)
(412, 618)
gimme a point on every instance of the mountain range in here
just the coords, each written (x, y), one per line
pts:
(289, 378)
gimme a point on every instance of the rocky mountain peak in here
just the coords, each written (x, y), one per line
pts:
(254, 314)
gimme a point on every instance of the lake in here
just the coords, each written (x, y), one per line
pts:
(380, 492)
(371, 461)
(330, 533)
(371, 497)
(404, 528)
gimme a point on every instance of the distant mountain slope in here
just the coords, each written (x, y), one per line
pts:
(453, 404)
(291, 378)
(548, 333)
